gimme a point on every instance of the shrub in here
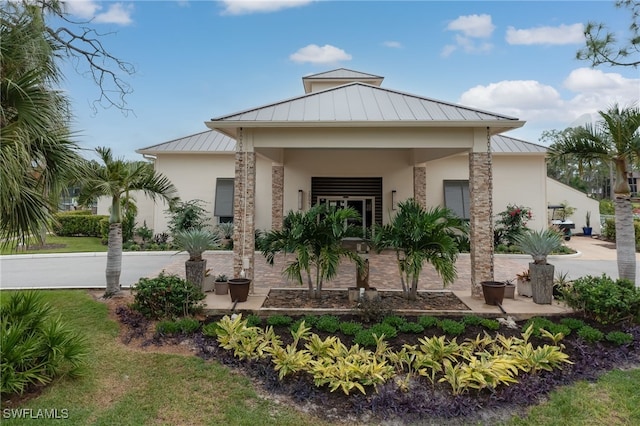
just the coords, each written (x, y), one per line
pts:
(188, 325)
(69, 224)
(187, 215)
(36, 345)
(254, 321)
(350, 328)
(471, 320)
(411, 327)
(573, 323)
(388, 330)
(427, 321)
(605, 300)
(619, 337)
(511, 223)
(609, 231)
(328, 323)
(167, 327)
(211, 329)
(451, 327)
(372, 310)
(394, 320)
(279, 320)
(490, 324)
(548, 325)
(166, 296)
(365, 338)
(590, 334)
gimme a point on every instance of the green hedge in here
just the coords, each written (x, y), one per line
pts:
(72, 224)
(609, 231)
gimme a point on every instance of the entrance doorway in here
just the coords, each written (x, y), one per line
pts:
(365, 206)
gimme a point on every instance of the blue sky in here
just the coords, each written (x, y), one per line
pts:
(196, 60)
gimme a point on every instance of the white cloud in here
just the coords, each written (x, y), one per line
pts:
(243, 7)
(320, 55)
(545, 107)
(393, 44)
(476, 26)
(563, 34)
(85, 9)
(116, 13)
(470, 28)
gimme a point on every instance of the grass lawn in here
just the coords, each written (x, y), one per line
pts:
(55, 244)
(124, 385)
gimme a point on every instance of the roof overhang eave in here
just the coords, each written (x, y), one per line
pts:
(229, 127)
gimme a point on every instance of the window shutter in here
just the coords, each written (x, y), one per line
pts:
(456, 197)
(224, 198)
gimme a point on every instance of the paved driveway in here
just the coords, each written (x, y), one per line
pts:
(78, 270)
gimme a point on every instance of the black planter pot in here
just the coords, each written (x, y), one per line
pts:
(493, 292)
(239, 289)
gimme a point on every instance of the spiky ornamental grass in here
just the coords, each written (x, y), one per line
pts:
(539, 244)
(196, 241)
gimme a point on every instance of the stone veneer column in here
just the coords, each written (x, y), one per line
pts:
(244, 214)
(420, 185)
(277, 196)
(481, 221)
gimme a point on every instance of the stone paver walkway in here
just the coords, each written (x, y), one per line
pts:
(383, 272)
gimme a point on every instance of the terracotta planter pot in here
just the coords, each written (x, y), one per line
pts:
(239, 289)
(493, 292)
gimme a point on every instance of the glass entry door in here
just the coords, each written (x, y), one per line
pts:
(363, 205)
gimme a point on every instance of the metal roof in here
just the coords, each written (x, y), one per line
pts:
(506, 145)
(343, 73)
(340, 76)
(213, 141)
(360, 104)
(208, 141)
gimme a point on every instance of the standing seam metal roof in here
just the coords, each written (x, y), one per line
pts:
(214, 142)
(360, 102)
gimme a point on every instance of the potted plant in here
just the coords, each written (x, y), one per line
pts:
(195, 242)
(509, 289)
(221, 286)
(226, 232)
(539, 244)
(586, 230)
(524, 283)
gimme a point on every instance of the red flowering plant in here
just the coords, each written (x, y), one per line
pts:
(511, 223)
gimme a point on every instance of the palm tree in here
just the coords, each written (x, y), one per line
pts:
(37, 153)
(315, 237)
(614, 139)
(418, 235)
(116, 178)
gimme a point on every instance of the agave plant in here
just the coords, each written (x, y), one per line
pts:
(539, 244)
(196, 242)
(226, 229)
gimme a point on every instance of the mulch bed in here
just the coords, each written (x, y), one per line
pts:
(339, 299)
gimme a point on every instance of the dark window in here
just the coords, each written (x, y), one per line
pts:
(456, 197)
(223, 207)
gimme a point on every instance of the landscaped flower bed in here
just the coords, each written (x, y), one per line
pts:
(396, 385)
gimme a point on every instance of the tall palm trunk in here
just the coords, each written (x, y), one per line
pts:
(114, 259)
(625, 238)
